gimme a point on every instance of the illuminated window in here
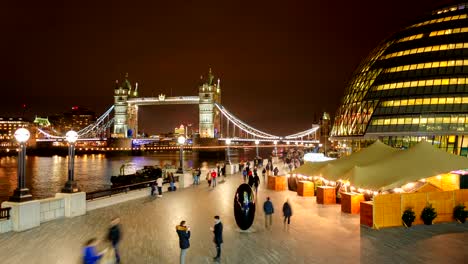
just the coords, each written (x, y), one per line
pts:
(464, 16)
(425, 49)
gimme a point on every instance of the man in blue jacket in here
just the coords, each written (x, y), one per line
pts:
(183, 232)
(218, 236)
(269, 210)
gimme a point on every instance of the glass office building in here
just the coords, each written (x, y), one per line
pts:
(413, 86)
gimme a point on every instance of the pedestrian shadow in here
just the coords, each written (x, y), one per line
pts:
(150, 199)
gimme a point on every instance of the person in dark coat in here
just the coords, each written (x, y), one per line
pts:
(183, 232)
(287, 212)
(114, 236)
(218, 236)
(256, 182)
(269, 210)
(251, 180)
(275, 171)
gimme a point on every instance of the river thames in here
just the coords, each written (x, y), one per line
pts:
(46, 176)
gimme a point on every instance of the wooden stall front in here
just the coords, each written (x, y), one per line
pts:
(366, 213)
(326, 195)
(277, 183)
(305, 188)
(351, 202)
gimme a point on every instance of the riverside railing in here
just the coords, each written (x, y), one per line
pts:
(5, 213)
(123, 189)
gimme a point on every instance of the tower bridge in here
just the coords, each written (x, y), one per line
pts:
(216, 123)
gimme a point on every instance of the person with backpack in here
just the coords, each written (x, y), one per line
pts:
(269, 210)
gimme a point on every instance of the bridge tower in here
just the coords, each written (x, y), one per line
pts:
(209, 92)
(122, 110)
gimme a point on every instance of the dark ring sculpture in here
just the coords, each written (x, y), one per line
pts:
(244, 206)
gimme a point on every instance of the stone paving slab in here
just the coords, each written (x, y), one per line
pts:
(318, 233)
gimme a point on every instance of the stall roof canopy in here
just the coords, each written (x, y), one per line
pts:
(419, 162)
(335, 169)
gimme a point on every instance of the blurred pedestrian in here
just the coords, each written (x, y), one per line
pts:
(213, 177)
(218, 236)
(153, 188)
(183, 232)
(171, 181)
(114, 236)
(269, 210)
(159, 183)
(256, 182)
(198, 176)
(208, 178)
(287, 212)
(89, 252)
(275, 171)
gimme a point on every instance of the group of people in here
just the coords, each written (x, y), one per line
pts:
(268, 209)
(109, 255)
(183, 231)
(214, 174)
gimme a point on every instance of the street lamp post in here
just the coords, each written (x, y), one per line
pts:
(228, 158)
(70, 185)
(256, 145)
(21, 194)
(181, 141)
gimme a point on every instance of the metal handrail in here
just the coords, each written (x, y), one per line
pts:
(5, 213)
(123, 189)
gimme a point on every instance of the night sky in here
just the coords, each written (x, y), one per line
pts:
(281, 63)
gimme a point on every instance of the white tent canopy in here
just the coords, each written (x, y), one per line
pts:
(419, 162)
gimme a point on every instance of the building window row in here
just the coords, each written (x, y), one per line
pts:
(425, 49)
(413, 37)
(448, 119)
(448, 31)
(421, 83)
(428, 65)
(450, 9)
(426, 101)
(439, 20)
(436, 33)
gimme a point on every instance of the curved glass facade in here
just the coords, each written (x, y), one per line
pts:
(414, 85)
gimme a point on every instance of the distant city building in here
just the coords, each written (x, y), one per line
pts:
(180, 131)
(8, 126)
(413, 86)
(324, 131)
(77, 119)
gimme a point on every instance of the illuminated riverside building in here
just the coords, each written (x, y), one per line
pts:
(413, 86)
(8, 126)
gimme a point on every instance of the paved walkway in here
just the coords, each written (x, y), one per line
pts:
(318, 234)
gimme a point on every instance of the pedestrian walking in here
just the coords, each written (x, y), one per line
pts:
(263, 173)
(171, 181)
(183, 232)
(198, 176)
(208, 178)
(213, 178)
(153, 188)
(256, 182)
(90, 256)
(244, 174)
(287, 212)
(218, 236)
(269, 210)
(159, 183)
(251, 180)
(114, 236)
(275, 171)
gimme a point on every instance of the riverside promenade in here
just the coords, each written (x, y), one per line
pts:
(318, 234)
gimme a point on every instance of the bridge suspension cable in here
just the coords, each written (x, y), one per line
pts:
(98, 125)
(243, 126)
(303, 133)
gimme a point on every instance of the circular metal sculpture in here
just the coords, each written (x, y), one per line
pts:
(244, 206)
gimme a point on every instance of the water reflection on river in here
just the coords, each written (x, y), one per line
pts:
(45, 176)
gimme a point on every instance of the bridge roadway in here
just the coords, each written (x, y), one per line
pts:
(318, 234)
